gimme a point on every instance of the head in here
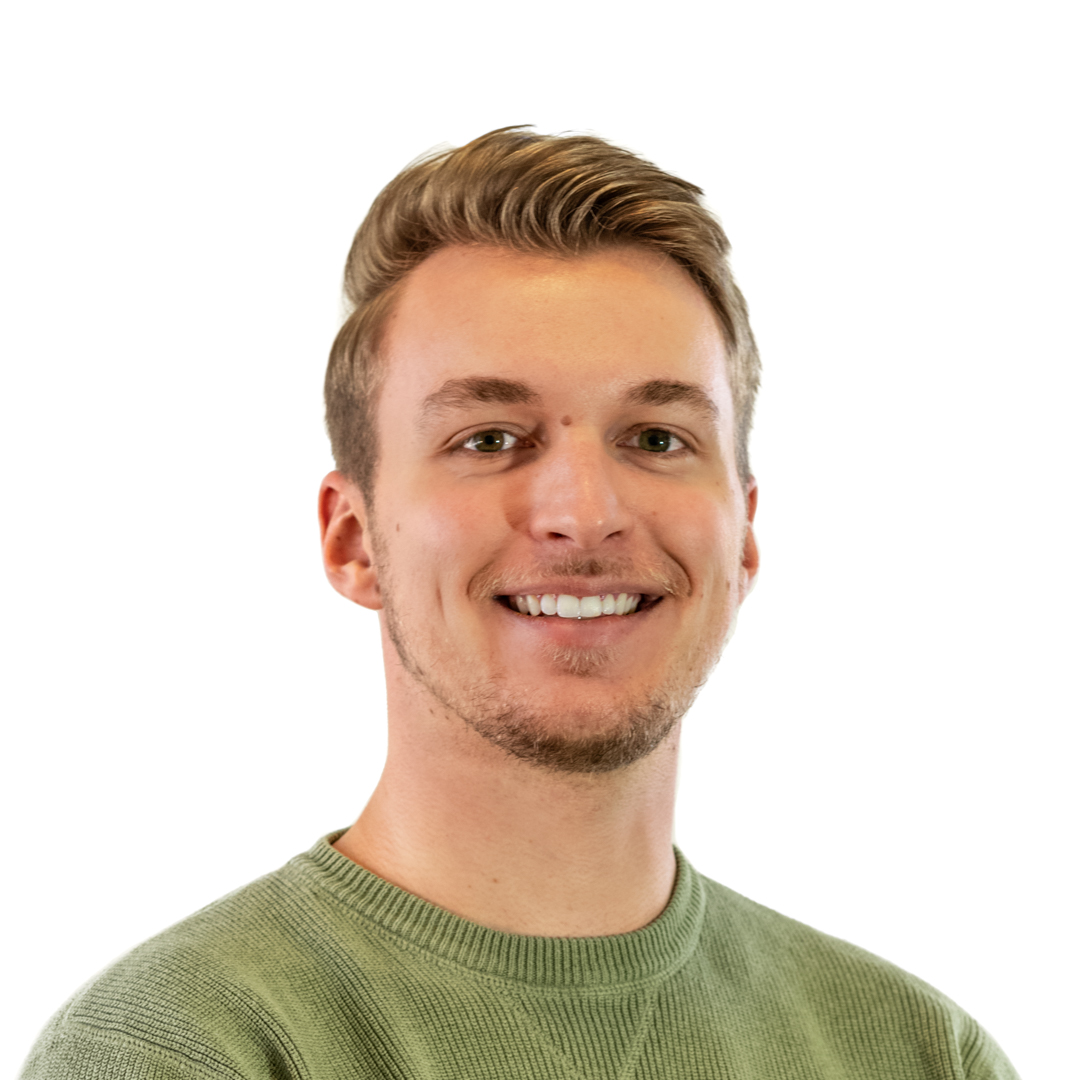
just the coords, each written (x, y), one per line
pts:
(539, 408)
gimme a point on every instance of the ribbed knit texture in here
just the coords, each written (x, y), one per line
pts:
(323, 971)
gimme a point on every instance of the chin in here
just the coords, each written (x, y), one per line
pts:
(583, 742)
(581, 661)
(577, 726)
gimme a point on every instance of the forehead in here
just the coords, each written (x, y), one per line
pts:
(578, 329)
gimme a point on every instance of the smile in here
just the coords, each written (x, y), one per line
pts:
(565, 606)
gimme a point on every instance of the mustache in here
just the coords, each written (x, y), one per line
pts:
(665, 574)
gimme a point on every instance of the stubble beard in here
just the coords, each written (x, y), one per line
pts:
(619, 733)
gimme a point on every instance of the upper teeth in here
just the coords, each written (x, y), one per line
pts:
(577, 607)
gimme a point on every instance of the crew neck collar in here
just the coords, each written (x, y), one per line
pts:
(654, 951)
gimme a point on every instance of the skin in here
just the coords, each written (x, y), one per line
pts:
(570, 503)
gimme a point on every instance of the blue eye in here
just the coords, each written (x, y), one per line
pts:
(490, 442)
(658, 441)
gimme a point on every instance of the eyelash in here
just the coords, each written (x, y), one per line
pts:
(464, 444)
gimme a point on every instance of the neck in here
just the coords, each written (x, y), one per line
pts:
(460, 823)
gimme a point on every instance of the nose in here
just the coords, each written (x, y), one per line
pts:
(574, 494)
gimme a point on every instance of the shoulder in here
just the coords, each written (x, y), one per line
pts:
(203, 998)
(752, 936)
(838, 986)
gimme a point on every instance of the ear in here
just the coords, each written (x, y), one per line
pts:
(346, 541)
(750, 557)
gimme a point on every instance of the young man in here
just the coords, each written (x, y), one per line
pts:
(539, 407)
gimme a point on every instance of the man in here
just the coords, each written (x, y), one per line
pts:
(539, 407)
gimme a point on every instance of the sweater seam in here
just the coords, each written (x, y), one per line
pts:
(107, 1035)
(629, 1062)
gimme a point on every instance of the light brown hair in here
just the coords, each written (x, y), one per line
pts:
(560, 195)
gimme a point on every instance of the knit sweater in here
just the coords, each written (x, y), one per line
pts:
(323, 971)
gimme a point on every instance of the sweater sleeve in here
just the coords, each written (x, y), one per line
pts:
(985, 1060)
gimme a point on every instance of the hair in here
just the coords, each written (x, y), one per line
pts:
(560, 195)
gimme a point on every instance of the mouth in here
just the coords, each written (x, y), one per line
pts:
(568, 606)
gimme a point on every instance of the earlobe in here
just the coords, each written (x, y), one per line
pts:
(346, 541)
(750, 556)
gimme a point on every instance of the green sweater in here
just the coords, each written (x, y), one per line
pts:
(324, 971)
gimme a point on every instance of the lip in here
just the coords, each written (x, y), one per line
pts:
(578, 588)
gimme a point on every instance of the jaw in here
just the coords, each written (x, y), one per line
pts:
(564, 695)
(480, 655)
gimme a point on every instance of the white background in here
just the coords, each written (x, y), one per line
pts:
(887, 749)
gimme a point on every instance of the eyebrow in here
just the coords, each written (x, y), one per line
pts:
(488, 390)
(673, 392)
(478, 390)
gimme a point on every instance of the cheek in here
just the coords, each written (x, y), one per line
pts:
(706, 547)
(705, 536)
(439, 532)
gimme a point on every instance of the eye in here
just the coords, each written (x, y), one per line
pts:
(490, 442)
(658, 441)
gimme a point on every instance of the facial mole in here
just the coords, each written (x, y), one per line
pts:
(566, 421)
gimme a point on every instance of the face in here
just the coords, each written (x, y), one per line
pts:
(558, 535)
